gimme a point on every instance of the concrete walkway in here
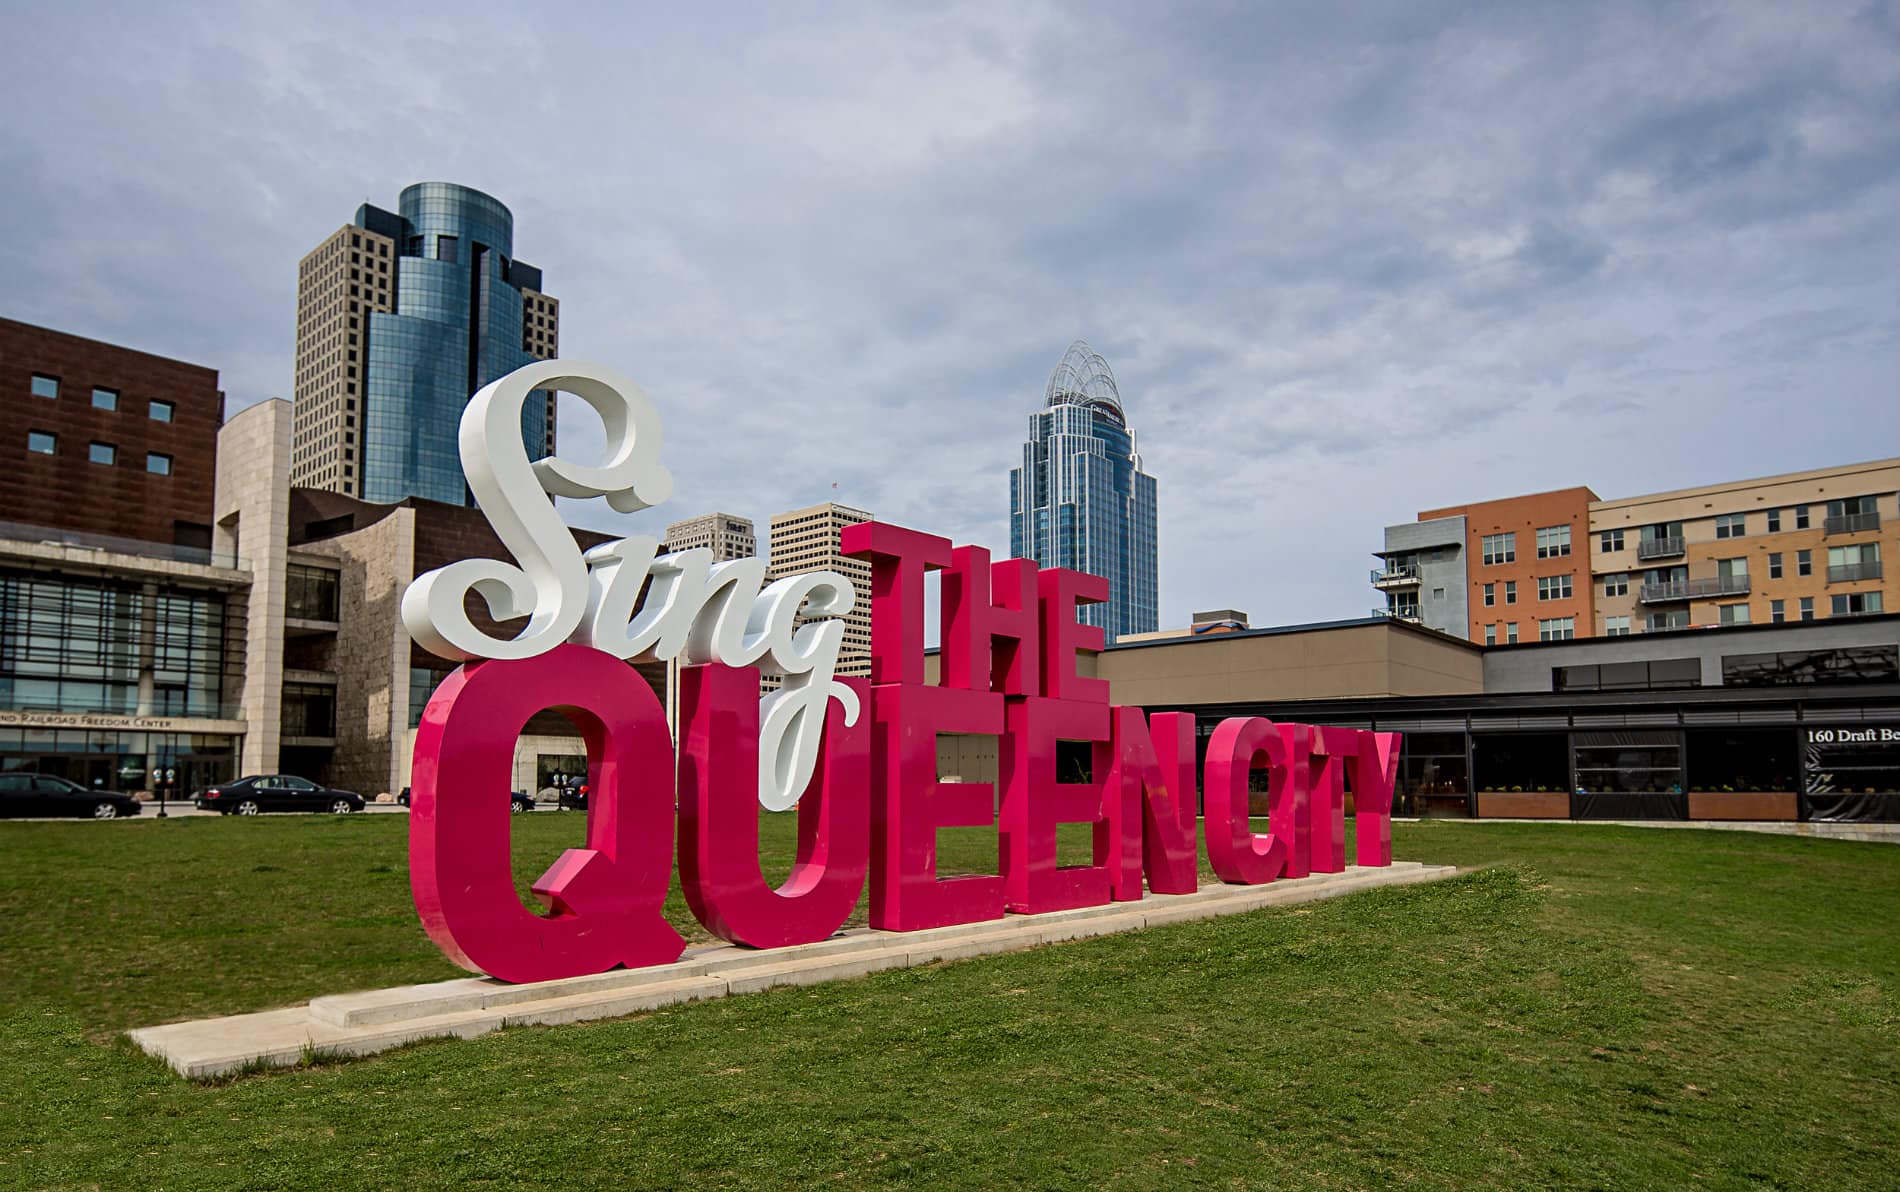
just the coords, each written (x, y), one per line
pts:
(1870, 833)
(355, 1024)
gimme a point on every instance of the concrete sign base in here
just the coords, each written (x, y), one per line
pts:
(354, 1024)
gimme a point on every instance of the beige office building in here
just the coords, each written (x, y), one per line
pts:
(807, 540)
(344, 280)
(725, 535)
(1799, 547)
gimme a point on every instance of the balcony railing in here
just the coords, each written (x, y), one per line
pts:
(1659, 548)
(1851, 523)
(1398, 614)
(1677, 590)
(1404, 576)
(1847, 573)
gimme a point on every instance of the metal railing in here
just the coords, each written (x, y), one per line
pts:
(1397, 614)
(1659, 548)
(1399, 576)
(1851, 523)
(1847, 573)
(48, 536)
(1694, 589)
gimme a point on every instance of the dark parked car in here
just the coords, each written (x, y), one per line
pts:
(519, 801)
(44, 794)
(276, 792)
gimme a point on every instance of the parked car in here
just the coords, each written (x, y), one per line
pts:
(45, 794)
(276, 792)
(574, 796)
(519, 801)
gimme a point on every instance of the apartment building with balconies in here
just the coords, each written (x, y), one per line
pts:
(1797, 547)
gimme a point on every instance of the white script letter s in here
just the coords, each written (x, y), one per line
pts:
(549, 586)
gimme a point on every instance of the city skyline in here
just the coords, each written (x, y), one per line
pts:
(1366, 268)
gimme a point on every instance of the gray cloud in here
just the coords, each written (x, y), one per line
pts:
(1348, 262)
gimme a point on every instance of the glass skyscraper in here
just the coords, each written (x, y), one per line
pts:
(401, 317)
(1080, 499)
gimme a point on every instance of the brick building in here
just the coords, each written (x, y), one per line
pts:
(101, 439)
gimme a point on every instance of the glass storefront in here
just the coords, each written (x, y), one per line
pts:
(105, 759)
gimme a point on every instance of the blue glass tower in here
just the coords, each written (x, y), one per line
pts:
(1080, 499)
(451, 318)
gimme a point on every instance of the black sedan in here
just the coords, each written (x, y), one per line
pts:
(44, 794)
(519, 802)
(276, 792)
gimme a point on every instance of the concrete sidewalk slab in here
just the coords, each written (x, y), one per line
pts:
(362, 1023)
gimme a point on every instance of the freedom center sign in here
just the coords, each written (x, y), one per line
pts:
(858, 760)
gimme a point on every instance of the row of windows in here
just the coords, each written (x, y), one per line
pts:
(1553, 542)
(1549, 587)
(42, 442)
(47, 387)
(1853, 561)
(1735, 525)
(1549, 629)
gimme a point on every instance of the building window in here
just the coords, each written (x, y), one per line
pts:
(1846, 564)
(1804, 562)
(1610, 540)
(105, 399)
(1616, 626)
(1732, 614)
(1774, 521)
(1854, 604)
(45, 386)
(1800, 517)
(310, 593)
(1731, 525)
(1510, 591)
(1799, 668)
(309, 710)
(1490, 595)
(1628, 763)
(1510, 634)
(1617, 585)
(1490, 635)
(1553, 542)
(1556, 629)
(1500, 548)
(159, 411)
(1661, 674)
(158, 465)
(1777, 611)
(1774, 565)
(103, 453)
(1807, 608)
(41, 442)
(76, 644)
(1553, 587)
(1673, 619)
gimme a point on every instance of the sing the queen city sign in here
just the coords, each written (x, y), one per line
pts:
(857, 759)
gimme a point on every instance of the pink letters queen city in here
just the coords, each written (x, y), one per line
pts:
(857, 760)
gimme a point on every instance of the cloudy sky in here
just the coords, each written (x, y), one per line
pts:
(1347, 261)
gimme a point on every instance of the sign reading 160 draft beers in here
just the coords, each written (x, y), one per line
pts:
(857, 760)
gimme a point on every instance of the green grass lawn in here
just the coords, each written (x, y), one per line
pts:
(1602, 1007)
